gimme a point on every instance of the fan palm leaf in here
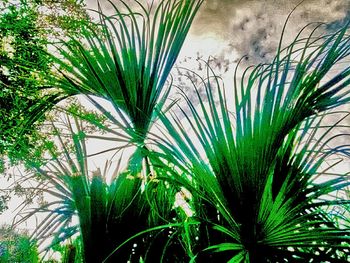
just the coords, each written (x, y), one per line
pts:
(128, 59)
(255, 181)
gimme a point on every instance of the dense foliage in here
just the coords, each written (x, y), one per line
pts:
(24, 64)
(16, 247)
(26, 30)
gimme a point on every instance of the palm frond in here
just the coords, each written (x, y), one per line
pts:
(112, 217)
(256, 176)
(128, 59)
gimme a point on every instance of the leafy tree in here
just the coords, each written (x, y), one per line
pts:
(58, 18)
(24, 64)
(26, 28)
(16, 247)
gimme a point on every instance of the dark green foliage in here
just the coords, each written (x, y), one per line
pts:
(23, 69)
(16, 247)
(26, 68)
(3, 202)
(109, 213)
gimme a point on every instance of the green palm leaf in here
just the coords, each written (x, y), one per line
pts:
(127, 59)
(263, 155)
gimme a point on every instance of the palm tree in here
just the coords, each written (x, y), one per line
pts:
(126, 59)
(117, 221)
(253, 170)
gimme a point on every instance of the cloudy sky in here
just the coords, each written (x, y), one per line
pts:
(253, 27)
(230, 29)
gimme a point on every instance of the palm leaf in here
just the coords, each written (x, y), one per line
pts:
(259, 181)
(128, 59)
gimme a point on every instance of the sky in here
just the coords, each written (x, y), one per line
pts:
(253, 27)
(233, 28)
(227, 30)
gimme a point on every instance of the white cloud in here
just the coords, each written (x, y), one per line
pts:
(253, 27)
